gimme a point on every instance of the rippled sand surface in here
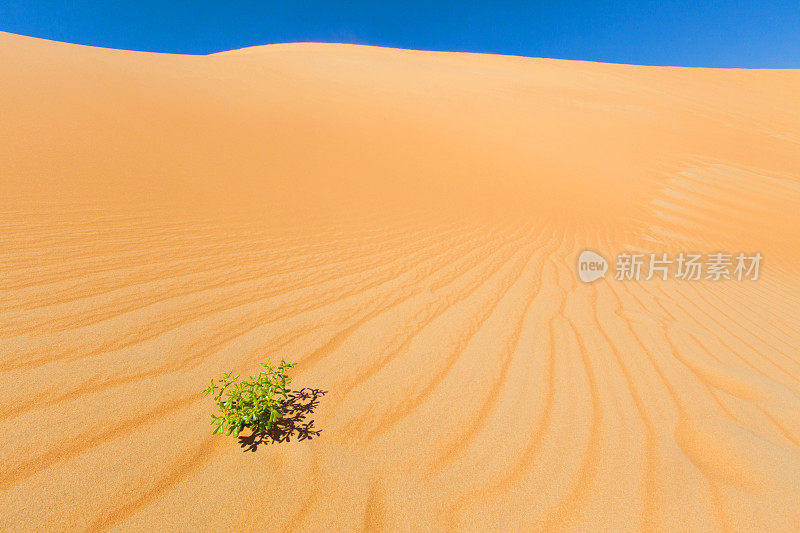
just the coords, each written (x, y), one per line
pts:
(405, 225)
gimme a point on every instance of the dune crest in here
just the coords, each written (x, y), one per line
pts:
(405, 225)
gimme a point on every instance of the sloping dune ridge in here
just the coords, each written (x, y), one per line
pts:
(405, 225)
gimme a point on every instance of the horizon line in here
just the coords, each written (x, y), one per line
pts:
(387, 47)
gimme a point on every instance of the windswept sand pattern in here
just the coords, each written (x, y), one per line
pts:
(470, 380)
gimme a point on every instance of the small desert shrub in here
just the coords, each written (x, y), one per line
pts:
(257, 403)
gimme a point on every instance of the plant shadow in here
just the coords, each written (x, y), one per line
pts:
(297, 406)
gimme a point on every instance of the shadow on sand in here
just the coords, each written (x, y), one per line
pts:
(297, 406)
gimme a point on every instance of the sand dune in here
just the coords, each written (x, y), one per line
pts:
(405, 225)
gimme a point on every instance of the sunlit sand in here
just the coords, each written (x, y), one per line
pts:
(405, 225)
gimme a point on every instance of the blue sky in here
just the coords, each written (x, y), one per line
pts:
(756, 34)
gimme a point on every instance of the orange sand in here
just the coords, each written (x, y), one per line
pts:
(405, 226)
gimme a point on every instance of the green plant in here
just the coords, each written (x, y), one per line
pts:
(256, 403)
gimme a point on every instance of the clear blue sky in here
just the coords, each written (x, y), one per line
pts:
(763, 34)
